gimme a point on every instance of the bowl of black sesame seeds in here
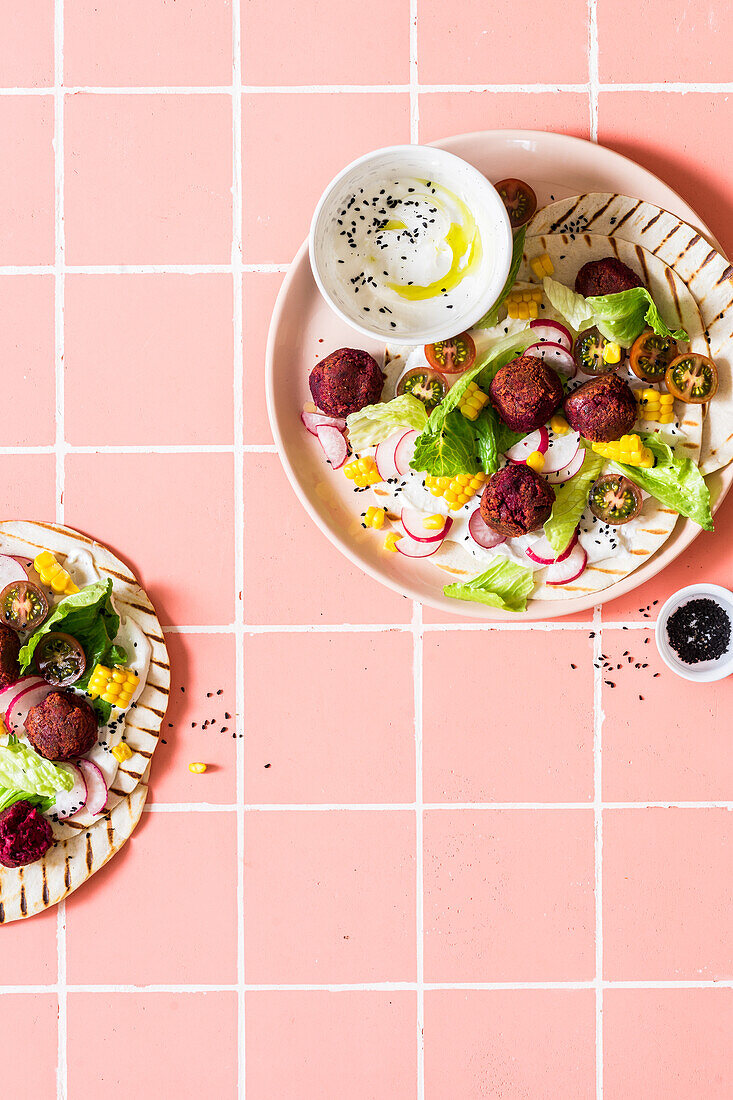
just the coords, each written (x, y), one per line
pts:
(694, 632)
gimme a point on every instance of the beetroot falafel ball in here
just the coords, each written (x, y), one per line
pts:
(62, 726)
(345, 381)
(607, 276)
(602, 409)
(516, 500)
(25, 835)
(9, 650)
(525, 393)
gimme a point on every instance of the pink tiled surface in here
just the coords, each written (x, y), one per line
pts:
(429, 859)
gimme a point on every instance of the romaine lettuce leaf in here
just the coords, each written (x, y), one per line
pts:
(573, 307)
(447, 449)
(491, 318)
(674, 481)
(570, 500)
(620, 317)
(23, 771)
(504, 584)
(373, 423)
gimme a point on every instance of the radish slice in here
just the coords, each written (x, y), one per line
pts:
(70, 802)
(96, 787)
(561, 451)
(542, 553)
(333, 443)
(555, 356)
(412, 521)
(384, 456)
(34, 692)
(552, 332)
(568, 570)
(558, 476)
(482, 534)
(316, 420)
(13, 690)
(535, 441)
(411, 548)
(404, 451)
(105, 761)
(11, 571)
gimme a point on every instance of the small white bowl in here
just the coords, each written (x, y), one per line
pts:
(451, 172)
(705, 671)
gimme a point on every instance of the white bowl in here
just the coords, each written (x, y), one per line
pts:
(421, 162)
(705, 671)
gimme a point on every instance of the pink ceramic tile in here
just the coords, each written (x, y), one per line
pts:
(489, 45)
(279, 537)
(27, 354)
(513, 1043)
(358, 1045)
(293, 146)
(687, 49)
(26, 180)
(259, 292)
(683, 139)
(340, 726)
(175, 526)
(26, 32)
(196, 727)
(178, 874)
(445, 113)
(667, 894)
(148, 179)
(347, 43)
(189, 42)
(675, 1042)
(28, 951)
(29, 1029)
(28, 487)
(537, 749)
(663, 738)
(508, 895)
(153, 1044)
(329, 896)
(170, 338)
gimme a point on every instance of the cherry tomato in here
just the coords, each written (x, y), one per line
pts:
(23, 605)
(614, 499)
(452, 356)
(588, 352)
(650, 356)
(426, 385)
(692, 378)
(519, 199)
(60, 659)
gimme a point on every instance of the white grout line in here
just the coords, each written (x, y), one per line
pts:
(417, 672)
(679, 87)
(593, 67)
(382, 807)
(378, 628)
(143, 269)
(598, 840)
(414, 78)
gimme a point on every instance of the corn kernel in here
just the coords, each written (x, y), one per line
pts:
(197, 768)
(434, 523)
(115, 686)
(612, 353)
(374, 517)
(536, 461)
(512, 311)
(533, 310)
(666, 418)
(122, 752)
(666, 399)
(390, 543)
(363, 472)
(559, 425)
(542, 266)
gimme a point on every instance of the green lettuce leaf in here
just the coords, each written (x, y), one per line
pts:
(373, 423)
(449, 448)
(674, 481)
(570, 500)
(573, 307)
(504, 584)
(492, 317)
(620, 317)
(24, 772)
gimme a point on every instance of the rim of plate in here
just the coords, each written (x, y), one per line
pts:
(685, 531)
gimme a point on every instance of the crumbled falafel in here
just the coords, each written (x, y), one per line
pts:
(25, 835)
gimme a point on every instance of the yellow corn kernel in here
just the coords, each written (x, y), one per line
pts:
(650, 394)
(629, 450)
(374, 517)
(666, 399)
(390, 543)
(122, 752)
(512, 311)
(559, 425)
(116, 686)
(363, 472)
(536, 461)
(533, 310)
(542, 266)
(473, 401)
(612, 353)
(53, 575)
(434, 523)
(666, 418)
(523, 311)
(197, 768)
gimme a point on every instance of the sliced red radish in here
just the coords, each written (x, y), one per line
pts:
(557, 477)
(555, 356)
(105, 761)
(412, 521)
(317, 420)
(482, 534)
(542, 553)
(384, 456)
(12, 690)
(563, 572)
(11, 571)
(404, 451)
(535, 441)
(411, 548)
(34, 691)
(70, 802)
(552, 332)
(333, 443)
(561, 451)
(96, 787)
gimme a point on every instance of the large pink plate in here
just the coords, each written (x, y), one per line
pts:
(303, 329)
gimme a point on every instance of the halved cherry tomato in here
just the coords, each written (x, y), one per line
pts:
(426, 385)
(519, 199)
(452, 356)
(23, 605)
(588, 352)
(60, 659)
(692, 378)
(650, 356)
(614, 499)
